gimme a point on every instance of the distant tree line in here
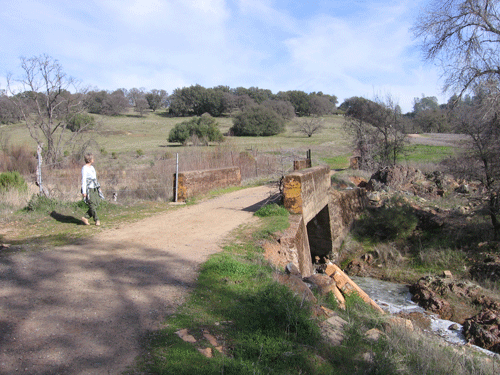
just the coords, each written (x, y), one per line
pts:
(189, 101)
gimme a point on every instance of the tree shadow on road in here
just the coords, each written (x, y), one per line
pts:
(85, 308)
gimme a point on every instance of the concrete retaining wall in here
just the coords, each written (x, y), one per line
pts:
(344, 206)
(194, 183)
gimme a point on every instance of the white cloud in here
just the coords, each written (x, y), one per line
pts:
(349, 57)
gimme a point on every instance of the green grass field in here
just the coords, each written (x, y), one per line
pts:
(427, 153)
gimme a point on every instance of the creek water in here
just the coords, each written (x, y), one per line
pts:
(395, 298)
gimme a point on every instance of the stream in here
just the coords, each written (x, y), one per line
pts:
(395, 298)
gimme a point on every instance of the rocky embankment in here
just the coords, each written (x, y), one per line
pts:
(464, 302)
(459, 299)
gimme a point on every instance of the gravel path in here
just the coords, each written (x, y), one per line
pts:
(83, 309)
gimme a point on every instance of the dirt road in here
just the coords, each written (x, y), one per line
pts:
(83, 309)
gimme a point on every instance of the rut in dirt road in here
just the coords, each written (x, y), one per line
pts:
(83, 309)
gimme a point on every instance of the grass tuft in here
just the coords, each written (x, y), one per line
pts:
(272, 209)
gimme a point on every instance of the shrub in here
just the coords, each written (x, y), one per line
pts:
(17, 158)
(257, 121)
(12, 181)
(204, 128)
(393, 221)
(41, 203)
(80, 121)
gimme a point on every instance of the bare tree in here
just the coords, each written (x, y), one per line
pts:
(137, 99)
(480, 161)
(308, 125)
(378, 131)
(464, 35)
(45, 103)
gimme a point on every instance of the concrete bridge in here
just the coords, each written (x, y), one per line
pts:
(323, 216)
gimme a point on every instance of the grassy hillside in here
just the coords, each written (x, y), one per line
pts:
(127, 133)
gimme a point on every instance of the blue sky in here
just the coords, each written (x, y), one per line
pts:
(343, 48)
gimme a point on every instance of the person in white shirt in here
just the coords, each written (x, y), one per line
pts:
(90, 189)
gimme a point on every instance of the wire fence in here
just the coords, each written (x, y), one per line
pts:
(154, 180)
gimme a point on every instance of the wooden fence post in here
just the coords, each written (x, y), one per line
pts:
(39, 169)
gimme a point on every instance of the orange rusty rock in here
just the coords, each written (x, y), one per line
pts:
(347, 286)
(338, 295)
(327, 311)
(330, 269)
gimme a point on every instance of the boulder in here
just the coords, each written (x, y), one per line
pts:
(185, 336)
(374, 334)
(434, 293)
(320, 282)
(396, 321)
(324, 284)
(207, 352)
(292, 269)
(298, 286)
(332, 329)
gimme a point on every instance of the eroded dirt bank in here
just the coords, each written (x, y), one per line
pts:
(83, 309)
